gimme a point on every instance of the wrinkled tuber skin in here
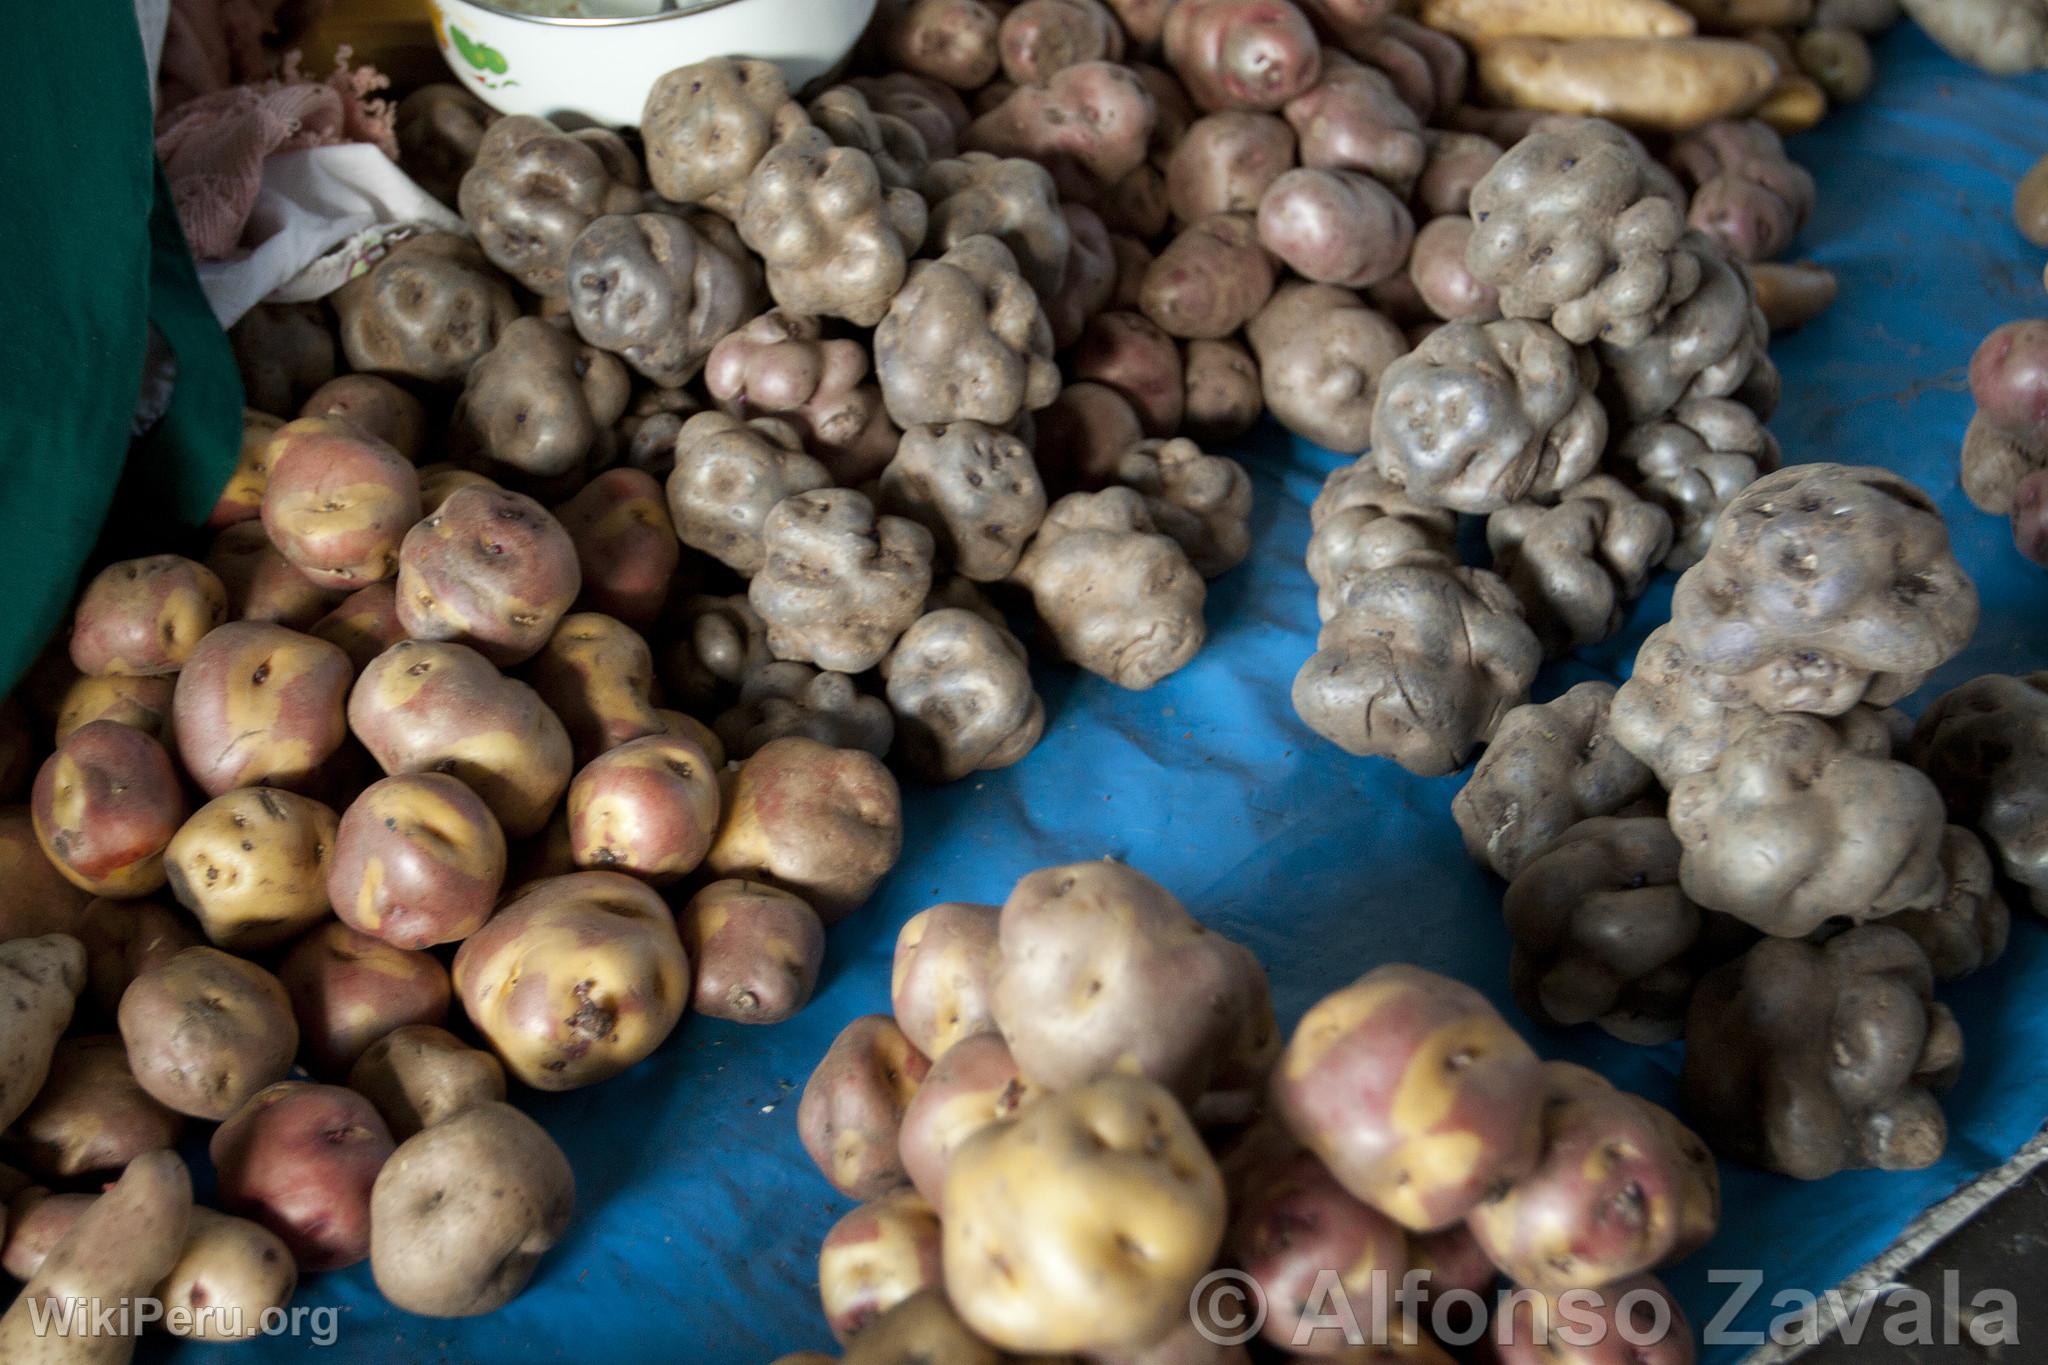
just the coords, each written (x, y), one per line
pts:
(533, 187)
(1691, 462)
(429, 310)
(1675, 715)
(834, 239)
(1008, 198)
(1576, 565)
(1795, 826)
(1549, 766)
(1419, 664)
(974, 487)
(789, 698)
(1355, 120)
(1224, 393)
(1203, 501)
(1336, 227)
(849, 120)
(1225, 162)
(2004, 442)
(960, 687)
(1360, 522)
(1090, 125)
(839, 583)
(1985, 744)
(1826, 585)
(1120, 599)
(965, 339)
(1482, 415)
(728, 475)
(1967, 930)
(1603, 934)
(1322, 358)
(782, 365)
(1041, 37)
(1712, 345)
(657, 292)
(932, 107)
(538, 402)
(1210, 280)
(950, 41)
(1575, 229)
(491, 569)
(707, 126)
(1242, 54)
(1808, 1060)
(439, 128)
(1747, 195)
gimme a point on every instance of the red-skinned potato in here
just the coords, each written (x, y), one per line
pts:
(423, 706)
(1414, 1092)
(1041, 37)
(1210, 280)
(1457, 162)
(242, 497)
(491, 569)
(1131, 354)
(1355, 120)
(349, 989)
(972, 1086)
(301, 1159)
(90, 1115)
(428, 310)
(1296, 1224)
(262, 584)
(1225, 395)
(874, 1258)
(144, 703)
(230, 1276)
(260, 705)
(1436, 267)
(339, 501)
(625, 545)
(575, 980)
(418, 860)
(1083, 434)
(597, 675)
(1089, 124)
(36, 898)
(364, 625)
(376, 407)
(1224, 163)
(953, 41)
(1335, 227)
(825, 823)
(648, 808)
(205, 1031)
(144, 617)
(939, 980)
(418, 1075)
(756, 948)
(105, 806)
(1635, 1322)
(124, 939)
(853, 1104)
(252, 866)
(1242, 54)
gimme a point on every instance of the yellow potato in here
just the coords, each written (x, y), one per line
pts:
(1792, 293)
(876, 1257)
(1794, 105)
(1670, 84)
(1478, 20)
(252, 866)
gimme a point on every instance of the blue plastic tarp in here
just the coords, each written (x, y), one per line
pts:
(699, 1216)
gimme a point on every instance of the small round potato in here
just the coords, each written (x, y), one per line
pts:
(939, 982)
(300, 1159)
(757, 950)
(876, 1257)
(349, 989)
(260, 705)
(364, 625)
(124, 939)
(252, 866)
(376, 407)
(1294, 1224)
(418, 860)
(205, 1031)
(231, 1273)
(142, 703)
(491, 569)
(339, 501)
(419, 1075)
(90, 1114)
(826, 823)
(648, 808)
(463, 1212)
(576, 980)
(853, 1104)
(143, 617)
(597, 674)
(105, 805)
(974, 1085)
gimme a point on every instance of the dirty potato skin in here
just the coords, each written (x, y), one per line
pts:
(853, 1104)
(960, 686)
(260, 705)
(205, 1031)
(105, 806)
(757, 950)
(974, 1084)
(418, 860)
(874, 1258)
(648, 808)
(301, 1159)
(538, 403)
(428, 310)
(825, 823)
(144, 617)
(491, 569)
(1416, 1094)
(577, 979)
(252, 866)
(238, 1269)
(418, 1075)
(40, 979)
(939, 979)
(349, 989)
(338, 502)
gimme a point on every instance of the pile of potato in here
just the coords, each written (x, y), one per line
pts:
(1082, 1105)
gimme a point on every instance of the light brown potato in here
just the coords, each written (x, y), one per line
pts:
(260, 705)
(144, 617)
(228, 1275)
(597, 674)
(90, 1115)
(939, 981)
(1225, 162)
(576, 979)
(338, 502)
(262, 584)
(757, 950)
(648, 808)
(36, 898)
(462, 1213)
(205, 1031)
(301, 1159)
(1477, 21)
(418, 860)
(1797, 102)
(349, 989)
(825, 823)
(122, 940)
(252, 866)
(851, 1113)
(491, 569)
(1445, 284)
(1210, 280)
(419, 1075)
(364, 625)
(105, 805)
(1666, 84)
(876, 1257)
(40, 979)
(974, 1085)
(1792, 293)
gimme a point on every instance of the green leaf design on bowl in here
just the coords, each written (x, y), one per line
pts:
(482, 56)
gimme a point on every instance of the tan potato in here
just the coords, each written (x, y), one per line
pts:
(338, 502)
(205, 1031)
(230, 1273)
(262, 584)
(36, 897)
(1084, 1225)
(491, 569)
(252, 866)
(418, 860)
(974, 1085)
(1478, 21)
(419, 1075)
(105, 805)
(939, 982)
(349, 989)
(825, 823)
(757, 950)
(300, 1159)
(1792, 293)
(853, 1105)
(576, 979)
(625, 545)
(40, 979)
(242, 498)
(1797, 102)
(90, 1115)
(144, 617)
(597, 674)
(876, 1257)
(364, 625)
(1667, 84)
(124, 939)
(463, 1212)
(260, 705)
(648, 808)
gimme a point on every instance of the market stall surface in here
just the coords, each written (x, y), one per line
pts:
(698, 1215)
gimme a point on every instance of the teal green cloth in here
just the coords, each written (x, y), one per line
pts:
(92, 253)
